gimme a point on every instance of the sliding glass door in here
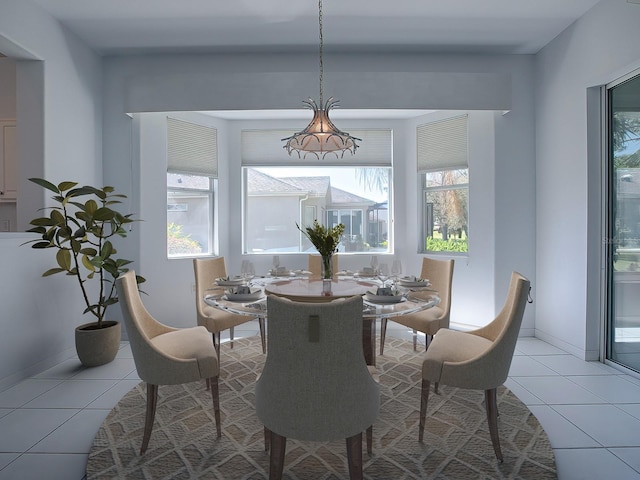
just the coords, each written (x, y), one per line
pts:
(623, 223)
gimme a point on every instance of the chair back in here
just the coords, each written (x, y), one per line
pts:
(315, 384)
(315, 264)
(140, 325)
(440, 274)
(503, 332)
(206, 271)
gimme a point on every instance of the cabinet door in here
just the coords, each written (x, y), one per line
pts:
(8, 163)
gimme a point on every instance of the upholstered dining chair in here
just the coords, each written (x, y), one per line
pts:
(315, 264)
(479, 359)
(429, 321)
(165, 355)
(206, 271)
(315, 385)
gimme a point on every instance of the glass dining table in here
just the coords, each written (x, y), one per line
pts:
(311, 290)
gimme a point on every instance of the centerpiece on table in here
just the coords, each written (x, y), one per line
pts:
(326, 241)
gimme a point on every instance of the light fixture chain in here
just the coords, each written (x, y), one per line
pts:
(321, 137)
(321, 42)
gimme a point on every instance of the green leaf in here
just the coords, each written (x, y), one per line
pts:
(57, 217)
(107, 250)
(43, 221)
(64, 259)
(40, 230)
(104, 214)
(91, 206)
(45, 184)
(64, 186)
(52, 271)
(82, 191)
(90, 251)
(42, 245)
(76, 246)
(86, 262)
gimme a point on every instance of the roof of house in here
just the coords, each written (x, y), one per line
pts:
(317, 186)
(259, 183)
(342, 196)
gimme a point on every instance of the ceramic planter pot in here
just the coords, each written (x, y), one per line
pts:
(97, 346)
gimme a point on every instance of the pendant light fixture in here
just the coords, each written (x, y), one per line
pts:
(321, 137)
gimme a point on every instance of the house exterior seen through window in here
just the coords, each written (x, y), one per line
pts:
(189, 214)
(280, 191)
(278, 198)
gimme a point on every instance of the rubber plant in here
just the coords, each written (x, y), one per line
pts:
(80, 228)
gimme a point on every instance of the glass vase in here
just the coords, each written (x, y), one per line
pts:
(327, 266)
(327, 274)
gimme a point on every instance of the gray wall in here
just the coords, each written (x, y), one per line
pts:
(207, 82)
(8, 112)
(38, 315)
(600, 47)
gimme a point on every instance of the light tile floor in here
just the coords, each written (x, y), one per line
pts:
(590, 411)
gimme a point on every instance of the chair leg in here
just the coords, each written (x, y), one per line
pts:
(383, 334)
(152, 401)
(276, 458)
(216, 404)
(491, 404)
(231, 337)
(262, 335)
(216, 344)
(427, 341)
(435, 388)
(267, 438)
(370, 440)
(354, 456)
(424, 400)
(415, 339)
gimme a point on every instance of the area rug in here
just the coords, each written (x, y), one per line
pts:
(184, 445)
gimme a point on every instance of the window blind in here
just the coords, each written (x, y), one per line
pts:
(191, 148)
(265, 148)
(443, 145)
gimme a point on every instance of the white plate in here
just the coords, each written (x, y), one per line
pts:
(366, 274)
(281, 273)
(302, 272)
(229, 283)
(384, 298)
(244, 297)
(414, 283)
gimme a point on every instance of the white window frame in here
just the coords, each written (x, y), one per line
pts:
(263, 148)
(192, 150)
(442, 145)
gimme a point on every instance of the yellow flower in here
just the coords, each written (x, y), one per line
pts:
(325, 240)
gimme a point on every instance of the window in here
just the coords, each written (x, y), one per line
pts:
(444, 176)
(191, 182)
(280, 191)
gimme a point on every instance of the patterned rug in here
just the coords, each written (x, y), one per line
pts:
(184, 445)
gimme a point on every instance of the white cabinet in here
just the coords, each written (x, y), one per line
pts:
(8, 161)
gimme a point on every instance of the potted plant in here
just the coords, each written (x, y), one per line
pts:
(79, 229)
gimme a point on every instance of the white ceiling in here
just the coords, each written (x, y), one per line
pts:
(473, 26)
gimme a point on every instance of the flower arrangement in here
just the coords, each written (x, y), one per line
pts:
(325, 239)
